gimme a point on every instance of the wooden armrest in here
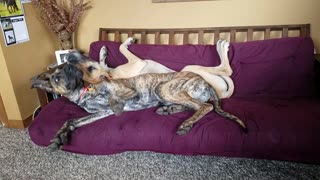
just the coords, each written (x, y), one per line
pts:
(43, 97)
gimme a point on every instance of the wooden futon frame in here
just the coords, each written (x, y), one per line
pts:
(208, 35)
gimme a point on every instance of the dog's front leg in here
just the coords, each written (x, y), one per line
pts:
(63, 135)
(116, 106)
(172, 109)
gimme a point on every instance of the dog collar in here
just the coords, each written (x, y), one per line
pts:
(88, 88)
(110, 76)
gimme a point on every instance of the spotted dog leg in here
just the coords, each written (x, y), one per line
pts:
(116, 106)
(64, 134)
(171, 109)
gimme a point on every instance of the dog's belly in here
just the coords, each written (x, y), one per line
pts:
(141, 102)
(100, 103)
(95, 104)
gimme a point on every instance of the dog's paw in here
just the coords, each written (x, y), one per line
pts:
(218, 45)
(171, 109)
(129, 41)
(54, 145)
(184, 129)
(62, 137)
(225, 46)
(163, 110)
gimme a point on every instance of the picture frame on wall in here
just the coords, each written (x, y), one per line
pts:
(60, 56)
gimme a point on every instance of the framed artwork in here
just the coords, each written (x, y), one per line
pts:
(60, 56)
(165, 1)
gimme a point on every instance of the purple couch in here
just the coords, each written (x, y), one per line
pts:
(274, 96)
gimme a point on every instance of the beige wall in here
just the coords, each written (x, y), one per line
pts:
(19, 63)
(6, 90)
(143, 13)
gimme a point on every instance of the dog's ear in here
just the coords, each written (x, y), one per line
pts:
(103, 57)
(74, 57)
(74, 76)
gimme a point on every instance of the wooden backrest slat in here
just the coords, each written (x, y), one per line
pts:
(233, 35)
(267, 33)
(185, 38)
(216, 36)
(171, 38)
(143, 37)
(157, 38)
(200, 37)
(285, 32)
(103, 36)
(250, 34)
(105, 33)
(305, 31)
(117, 36)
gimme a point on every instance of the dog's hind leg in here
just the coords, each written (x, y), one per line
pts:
(221, 112)
(125, 51)
(222, 49)
(63, 135)
(201, 110)
(223, 69)
(184, 99)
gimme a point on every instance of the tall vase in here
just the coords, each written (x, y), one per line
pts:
(66, 39)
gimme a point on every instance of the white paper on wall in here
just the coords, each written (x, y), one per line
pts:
(14, 30)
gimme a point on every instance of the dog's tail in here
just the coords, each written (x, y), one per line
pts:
(221, 112)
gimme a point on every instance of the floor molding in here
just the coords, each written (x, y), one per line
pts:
(19, 124)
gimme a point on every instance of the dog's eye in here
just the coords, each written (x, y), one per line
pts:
(56, 79)
(91, 68)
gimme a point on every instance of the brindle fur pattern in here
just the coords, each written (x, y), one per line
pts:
(175, 90)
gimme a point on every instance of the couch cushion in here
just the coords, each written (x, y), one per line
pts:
(283, 129)
(173, 56)
(277, 67)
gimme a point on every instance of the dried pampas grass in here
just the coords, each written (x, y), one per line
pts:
(60, 16)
